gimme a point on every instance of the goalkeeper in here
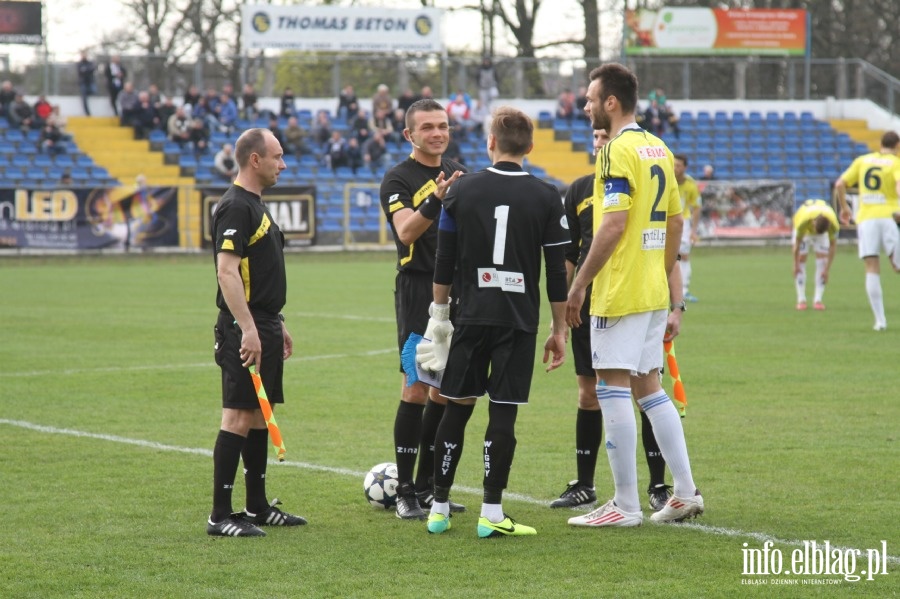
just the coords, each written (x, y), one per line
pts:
(491, 232)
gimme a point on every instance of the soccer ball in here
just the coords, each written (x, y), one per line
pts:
(380, 485)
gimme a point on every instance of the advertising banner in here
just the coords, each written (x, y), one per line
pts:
(341, 28)
(714, 31)
(293, 208)
(746, 209)
(20, 23)
(89, 218)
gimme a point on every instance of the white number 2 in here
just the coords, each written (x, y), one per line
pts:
(501, 214)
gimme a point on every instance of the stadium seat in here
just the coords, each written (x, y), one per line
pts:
(43, 161)
(14, 135)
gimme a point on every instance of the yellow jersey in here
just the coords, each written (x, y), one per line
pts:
(690, 196)
(635, 172)
(807, 213)
(876, 175)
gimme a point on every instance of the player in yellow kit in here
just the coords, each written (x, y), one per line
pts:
(690, 205)
(878, 177)
(633, 251)
(815, 228)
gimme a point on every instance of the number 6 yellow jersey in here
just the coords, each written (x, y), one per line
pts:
(876, 175)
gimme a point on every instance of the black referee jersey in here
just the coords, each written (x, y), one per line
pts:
(243, 225)
(579, 206)
(495, 223)
(406, 185)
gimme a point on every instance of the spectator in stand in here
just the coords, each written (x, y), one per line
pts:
(322, 129)
(398, 124)
(459, 117)
(376, 154)
(480, 119)
(360, 126)
(199, 136)
(404, 101)
(51, 140)
(276, 131)
(212, 99)
(382, 123)
(348, 104)
(191, 99)
(580, 103)
(164, 111)
(336, 151)
(454, 151)
(7, 95)
(354, 154)
(249, 102)
(178, 127)
(115, 81)
(227, 113)
(42, 111)
(156, 98)
(565, 105)
(295, 138)
(287, 104)
(487, 82)
(654, 119)
(66, 178)
(145, 117)
(60, 121)
(129, 103)
(86, 85)
(20, 114)
(426, 93)
(224, 163)
(382, 100)
(203, 111)
(708, 172)
(228, 90)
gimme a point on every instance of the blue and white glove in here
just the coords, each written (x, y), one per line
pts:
(432, 352)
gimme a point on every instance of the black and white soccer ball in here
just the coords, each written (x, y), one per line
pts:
(380, 485)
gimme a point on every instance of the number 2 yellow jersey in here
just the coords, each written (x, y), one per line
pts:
(635, 172)
(876, 175)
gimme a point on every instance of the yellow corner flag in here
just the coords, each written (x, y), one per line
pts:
(268, 414)
(680, 397)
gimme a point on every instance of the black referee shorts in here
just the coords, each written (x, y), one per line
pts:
(413, 294)
(581, 340)
(498, 361)
(237, 386)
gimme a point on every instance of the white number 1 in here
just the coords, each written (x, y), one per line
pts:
(501, 213)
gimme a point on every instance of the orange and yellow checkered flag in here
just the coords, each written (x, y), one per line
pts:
(268, 414)
(679, 396)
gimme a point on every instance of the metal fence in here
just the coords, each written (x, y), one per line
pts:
(317, 75)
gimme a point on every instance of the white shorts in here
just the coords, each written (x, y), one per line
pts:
(819, 243)
(878, 234)
(632, 342)
(686, 244)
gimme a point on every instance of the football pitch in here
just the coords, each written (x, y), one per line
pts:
(110, 405)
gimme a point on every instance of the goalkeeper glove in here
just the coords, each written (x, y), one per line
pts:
(432, 352)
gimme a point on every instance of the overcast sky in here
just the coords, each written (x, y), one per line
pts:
(76, 24)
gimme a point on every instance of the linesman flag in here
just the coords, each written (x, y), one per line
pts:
(679, 396)
(268, 414)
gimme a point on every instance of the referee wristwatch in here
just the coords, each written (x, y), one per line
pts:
(679, 306)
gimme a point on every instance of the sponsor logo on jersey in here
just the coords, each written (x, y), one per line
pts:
(505, 281)
(651, 152)
(653, 239)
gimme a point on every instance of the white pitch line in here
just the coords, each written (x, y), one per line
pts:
(714, 530)
(144, 367)
(318, 316)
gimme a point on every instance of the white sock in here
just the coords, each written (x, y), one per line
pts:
(800, 283)
(670, 436)
(876, 299)
(685, 275)
(620, 426)
(438, 507)
(491, 511)
(820, 286)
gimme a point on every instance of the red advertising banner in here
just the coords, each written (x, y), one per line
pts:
(713, 31)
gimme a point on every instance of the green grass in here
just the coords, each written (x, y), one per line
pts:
(109, 407)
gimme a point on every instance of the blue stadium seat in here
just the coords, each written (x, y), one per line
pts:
(43, 161)
(14, 135)
(83, 161)
(773, 117)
